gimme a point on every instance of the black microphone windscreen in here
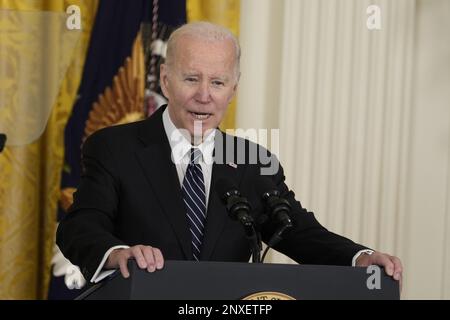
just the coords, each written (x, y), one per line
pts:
(264, 185)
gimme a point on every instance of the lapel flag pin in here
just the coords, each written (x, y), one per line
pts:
(232, 164)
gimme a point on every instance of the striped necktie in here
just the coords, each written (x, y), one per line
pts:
(194, 197)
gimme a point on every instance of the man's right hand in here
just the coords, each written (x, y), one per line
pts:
(146, 257)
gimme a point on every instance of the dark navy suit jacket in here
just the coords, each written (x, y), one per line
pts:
(130, 194)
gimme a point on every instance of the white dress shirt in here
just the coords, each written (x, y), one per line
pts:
(181, 155)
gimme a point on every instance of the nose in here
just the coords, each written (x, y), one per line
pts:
(203, 94)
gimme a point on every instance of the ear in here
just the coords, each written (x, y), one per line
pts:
(164, 80)
(235, 86)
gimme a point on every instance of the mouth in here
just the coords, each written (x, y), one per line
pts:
(200, 116)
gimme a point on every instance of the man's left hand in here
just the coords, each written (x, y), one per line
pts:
(391, 264)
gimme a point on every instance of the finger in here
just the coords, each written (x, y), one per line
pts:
(159, 259)
(384, 260)
(123, 266)
(140, 259)
(398, 268)
(148, 254)
(113, 260)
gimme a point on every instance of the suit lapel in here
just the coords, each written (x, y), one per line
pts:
(155, 160)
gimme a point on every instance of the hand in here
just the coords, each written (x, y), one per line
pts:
(392, 265)
(146, 257)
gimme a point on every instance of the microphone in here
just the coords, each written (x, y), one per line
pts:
(238, 208)
(278, 209)
(2, 141)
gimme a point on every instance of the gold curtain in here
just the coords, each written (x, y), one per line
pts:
(30, 174)
(225, 13)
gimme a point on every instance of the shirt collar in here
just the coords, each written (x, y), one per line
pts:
(181, 146)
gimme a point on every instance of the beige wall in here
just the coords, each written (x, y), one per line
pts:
(364, 120)
(428, 253)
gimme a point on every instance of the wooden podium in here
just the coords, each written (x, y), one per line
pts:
(188, 280)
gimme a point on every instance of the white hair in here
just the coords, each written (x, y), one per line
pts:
(204, 30)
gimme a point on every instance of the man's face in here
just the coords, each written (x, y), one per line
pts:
(200, 83)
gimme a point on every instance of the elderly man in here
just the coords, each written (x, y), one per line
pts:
(147, 190)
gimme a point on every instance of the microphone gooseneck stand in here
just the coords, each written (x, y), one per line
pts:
(239, 209)
(278, 210)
